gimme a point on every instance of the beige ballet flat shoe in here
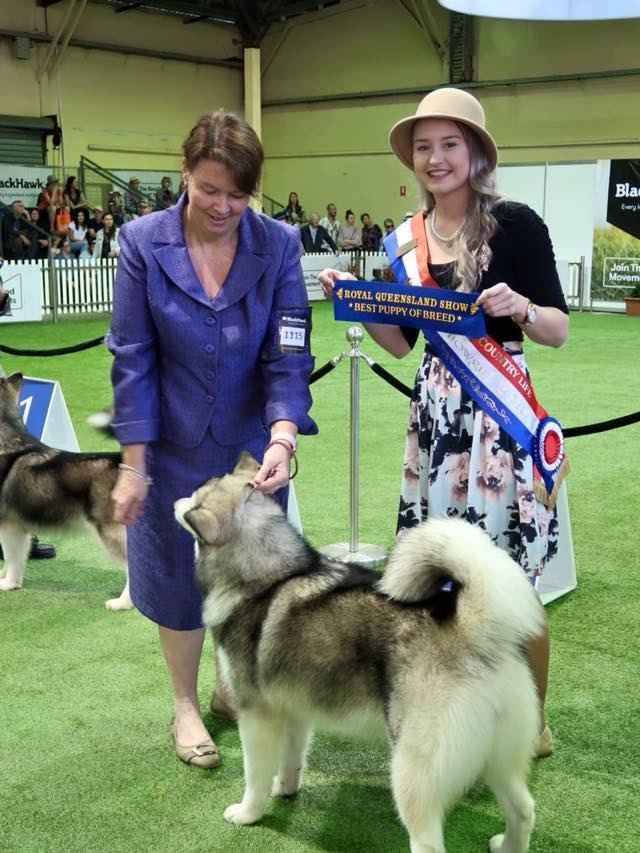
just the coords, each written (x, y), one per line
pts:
(204, 755)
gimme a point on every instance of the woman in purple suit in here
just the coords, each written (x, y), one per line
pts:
(210, 335)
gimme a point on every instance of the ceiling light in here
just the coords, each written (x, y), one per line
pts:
(547, 10)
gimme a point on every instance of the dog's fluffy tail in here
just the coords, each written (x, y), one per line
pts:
(456, 572)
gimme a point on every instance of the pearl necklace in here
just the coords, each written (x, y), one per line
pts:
(451, 238)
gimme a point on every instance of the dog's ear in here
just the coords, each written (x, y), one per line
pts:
(14, 384)
(246, 466)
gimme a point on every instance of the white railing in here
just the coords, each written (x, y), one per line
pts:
(81, 286)
(86, 286)
(366, 265)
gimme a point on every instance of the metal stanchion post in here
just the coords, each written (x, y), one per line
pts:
(354, 551)
(354, 335)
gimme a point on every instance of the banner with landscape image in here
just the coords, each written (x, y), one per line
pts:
(615, 270)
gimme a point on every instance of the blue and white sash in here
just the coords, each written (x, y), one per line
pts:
(485, 370)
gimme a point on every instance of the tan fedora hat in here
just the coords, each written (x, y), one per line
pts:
(451, 104)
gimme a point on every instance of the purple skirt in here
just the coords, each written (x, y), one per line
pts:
(160, 551)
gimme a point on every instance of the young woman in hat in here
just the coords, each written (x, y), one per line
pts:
(458, 461)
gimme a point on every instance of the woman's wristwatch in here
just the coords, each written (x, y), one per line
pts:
(529, 316)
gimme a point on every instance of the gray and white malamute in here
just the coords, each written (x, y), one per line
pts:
(432, 652)
(43, 488)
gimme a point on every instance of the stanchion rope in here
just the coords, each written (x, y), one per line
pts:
(326, 368)
(48, 352)
(378, 369)
(571, 432)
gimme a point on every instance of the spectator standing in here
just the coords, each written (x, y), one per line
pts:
(49, 203)
(132, 198)
(106, 245)
(294, 212)
(371, 234)
(165, 196)
(389, 226)
(349, 236)
(115, 208)
(144, 208)
(331, 223)
(73, 197)
(314, 236)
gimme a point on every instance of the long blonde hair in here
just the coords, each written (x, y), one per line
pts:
(474, 254)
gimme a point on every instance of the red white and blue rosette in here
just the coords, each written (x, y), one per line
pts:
(548, 450)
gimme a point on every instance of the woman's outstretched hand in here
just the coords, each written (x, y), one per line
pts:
(274, 471)
(328, 278)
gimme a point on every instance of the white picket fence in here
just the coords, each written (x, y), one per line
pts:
(81, 286)
(86, 286)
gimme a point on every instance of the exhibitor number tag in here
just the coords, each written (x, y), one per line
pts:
(292, 333)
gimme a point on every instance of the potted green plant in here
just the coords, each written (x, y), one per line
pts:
(632, 302)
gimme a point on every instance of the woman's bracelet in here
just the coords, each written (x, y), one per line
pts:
(284, 442)
(141, 476)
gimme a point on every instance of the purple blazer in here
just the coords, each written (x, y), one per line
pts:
(185, 363)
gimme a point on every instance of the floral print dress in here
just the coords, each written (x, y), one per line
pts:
(459, 463)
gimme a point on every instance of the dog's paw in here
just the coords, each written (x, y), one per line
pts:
(240, 815)
(119, 604)
(495, 844)
(285, 787)
(7, 584)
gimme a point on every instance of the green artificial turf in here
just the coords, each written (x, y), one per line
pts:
(86, 760)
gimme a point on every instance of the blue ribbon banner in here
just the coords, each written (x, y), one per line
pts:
(405, 305)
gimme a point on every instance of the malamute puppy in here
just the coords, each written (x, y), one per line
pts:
(45, 488)
(430, 652)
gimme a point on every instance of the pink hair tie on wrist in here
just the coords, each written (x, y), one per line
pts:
(285, 442)
(287, 436)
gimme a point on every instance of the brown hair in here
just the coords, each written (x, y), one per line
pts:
(228, 140)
